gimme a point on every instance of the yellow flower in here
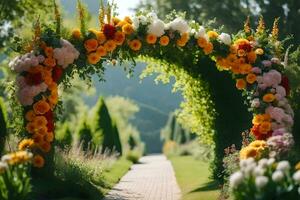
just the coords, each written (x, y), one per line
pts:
(151, 39)
(258, 119)
(208, 48)
(268, 98)
(25, 144)
(240, 84)
(184, 38)
(164, 40)
(241, 41)
(101, 51)
(259, 51)
(297, 167)
(128, 20)
(91, 45)
(110, 45)
(251, 57)
(202, 42)
(76, 34)
(119, 37)
(135, 45)
(116, 20)
(212, 34)
(93, 58)
(127, 29)
(258, 144)
(251, 78)
(30, 115)
(248, 152)
(38, 161)
(41, 107)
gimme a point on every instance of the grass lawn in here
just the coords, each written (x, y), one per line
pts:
(193, 178)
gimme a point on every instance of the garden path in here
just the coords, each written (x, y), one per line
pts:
(152, 179)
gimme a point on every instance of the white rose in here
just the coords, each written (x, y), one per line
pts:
(225, 38)
(179, 25)
(261, 181)
(236, 179)
(277, 176)
(283, 166)
(156, 28)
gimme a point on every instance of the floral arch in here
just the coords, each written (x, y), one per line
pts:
(253, 58)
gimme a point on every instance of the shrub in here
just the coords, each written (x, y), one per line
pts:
(117, 141)
(64, 136)
(85, 135)
(3, 127)
(133, 156)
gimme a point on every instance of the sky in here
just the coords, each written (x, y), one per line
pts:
(125, 5)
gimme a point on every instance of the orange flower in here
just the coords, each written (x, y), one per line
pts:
(25, 144)
(241, 52)
(251, 78)
(235, 69)
(265, 127)
(41, 107)
(257, 119)
(76, 34)
(38, 138)
(248, 152)
(183, 40)
(212, 34)
(116, 20)
(101, 51)
(110, 45)
(266, 117)
(52, 86)
(49, 52)
(101, 37)
(53, 98)
(49, 137)
(91, 45)
(30, 127)
(164, 40)
(50, 62)
(36, 69)
(40, 121)
(135, 45)
(251, 56)
(42, 130)
(119, 37)
(93, 58)
(30, 115)
(202, 42)
(45, 147)
(151, 39)
(269, 98)
(122, 23)
(245, 68)
(128, 20)
(38, 161)
(127, 29)
(208, 48)
(241, 84)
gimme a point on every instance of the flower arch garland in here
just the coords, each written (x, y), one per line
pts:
(251, 57)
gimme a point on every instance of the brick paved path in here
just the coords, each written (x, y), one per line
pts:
(153, 179)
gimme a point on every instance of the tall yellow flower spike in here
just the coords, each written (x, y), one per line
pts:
(101, 15)
(261, 25)
(57, 17)
(247, 27)
(275, 29)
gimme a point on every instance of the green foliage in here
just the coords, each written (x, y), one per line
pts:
(131, 142)
(85, 135)
(15, 183)
(117, 141)
(64, 136)
(3, 126)
(133, 156)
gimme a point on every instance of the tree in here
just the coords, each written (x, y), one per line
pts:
(3, 126)
(64, 136)
(117, 141)
(85, 135)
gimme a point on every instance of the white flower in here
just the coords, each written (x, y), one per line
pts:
(152, 15)
(263, 163)
(258, 171)
(283, 166)
(3, 166)
(277, 176)
(296, 177)
(156, 28)
(200, 33)
(255, 103)
(261, 181)
(299, 190)
(6, 158)
(271, 161)
(236, 179)
(179, 25)
(225, 38)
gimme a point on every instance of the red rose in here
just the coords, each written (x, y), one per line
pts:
(34, 79)
(49, 115)
(258, 135)
(109, 31)
(246, 47)
(57, 73)
(286, 84)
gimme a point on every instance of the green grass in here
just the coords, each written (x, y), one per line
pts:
(193, 178)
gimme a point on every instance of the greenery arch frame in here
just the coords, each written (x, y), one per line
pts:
(253, 58)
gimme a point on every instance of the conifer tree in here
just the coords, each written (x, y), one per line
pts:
(117, 141)
(85, 136)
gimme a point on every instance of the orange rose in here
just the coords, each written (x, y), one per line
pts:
(202, 42)
(208, 48)
(110, 45)
(269, 98)
(101, 37)
(101, 51)
(40, 121)
(251, 56)
(41, 107)
(93, 58)
(164, 40)
(151, 39)
(30, 127)
(245, 68)
(265, 127)
(30, 115)
(241, 84)
(49, 52)
(49, 137)
(119, 37)
(251, 78)
(45, 147)
(91, 45)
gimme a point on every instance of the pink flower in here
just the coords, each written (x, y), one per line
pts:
(256, 70)
(267, 63)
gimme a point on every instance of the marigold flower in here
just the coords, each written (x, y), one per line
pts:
(127, 29)
(128, 19)
(110, 45)
(251, 57)
(39, 121)
(25, 144)
(41, 130)
(41, 107)
(49, 137)
(38, 138)
(45, 147)
(76, 34)
(93, 58)
(91, 45)
(248, 152)
(101, 37)
(135, 44)
(258, 144)
(38, 161)
(202, 42)
(258, 119)
(235, 69)
(49, 52)
(267, 117)
(49, 62)
(269, 98)
(164, 40)
(245, 68)
(151, 39)
(29, 116)
(265, 127)
(30, 127)
(212, 34)
(251, 78)
(240, 84)
(101, 51)
(208, 48)
(119, 38)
